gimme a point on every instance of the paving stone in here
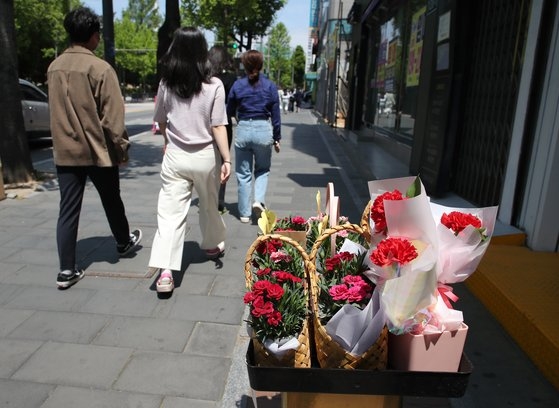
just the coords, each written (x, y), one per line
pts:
(8, 254)
(146, 334)
(74, 364)
(178, 375)
(48, 298)
(7, 270)
(21, 394)
(176, 402)
(14, 353)
(193, 283)
(206, 309)
(231, 286)
(72, 397)
(10, 319)
(33, 275)
(213, 339)
(120, 303)
(33, 256)
(109, 283)
(80, 328)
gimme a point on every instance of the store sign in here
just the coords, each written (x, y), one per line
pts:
(415, 47)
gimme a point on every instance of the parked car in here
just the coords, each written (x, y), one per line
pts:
(35, 106)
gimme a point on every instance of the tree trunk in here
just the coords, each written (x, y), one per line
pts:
(14, 149)
(165, 33)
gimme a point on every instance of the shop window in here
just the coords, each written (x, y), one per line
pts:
(396, 68)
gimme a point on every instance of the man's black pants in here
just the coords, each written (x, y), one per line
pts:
(72, 180)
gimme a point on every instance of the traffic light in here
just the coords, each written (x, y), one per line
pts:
(233, 45)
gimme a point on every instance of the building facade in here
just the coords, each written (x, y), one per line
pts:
(468, 89)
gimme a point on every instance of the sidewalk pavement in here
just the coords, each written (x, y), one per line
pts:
(112, 341)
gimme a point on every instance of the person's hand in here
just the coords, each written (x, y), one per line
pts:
(225, 171)
(277, 146)
(123, 159)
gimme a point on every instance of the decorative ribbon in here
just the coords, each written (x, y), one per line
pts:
(445, 291)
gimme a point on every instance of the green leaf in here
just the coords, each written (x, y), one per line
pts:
(414, 189)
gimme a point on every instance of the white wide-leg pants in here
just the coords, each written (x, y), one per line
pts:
(181, 171)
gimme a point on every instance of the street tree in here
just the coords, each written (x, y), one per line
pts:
(233, 21)
(279, 55)
(136, 48)
(298, 65)
(143, 13)
(15, 159)
(136, 40)
(35, 52)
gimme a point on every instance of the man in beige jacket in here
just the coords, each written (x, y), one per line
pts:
(89, 139)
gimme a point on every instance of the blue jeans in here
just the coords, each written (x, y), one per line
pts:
(253, 147)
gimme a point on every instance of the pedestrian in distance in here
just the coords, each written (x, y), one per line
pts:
(298, 99)
(191, 113)
(291, 106)
(285, 97)
(222, 67)
(89, 139)
(254, 102)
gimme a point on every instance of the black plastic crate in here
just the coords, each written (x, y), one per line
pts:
(366, 382)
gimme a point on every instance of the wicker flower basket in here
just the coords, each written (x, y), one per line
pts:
(329, 353)
(365, 223)
(298, 236)
(301, 357)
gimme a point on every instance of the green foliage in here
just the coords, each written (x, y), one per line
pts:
(298, 63)
(279, 55)
(239, 20)
(35, 52)
(136, 47)
(136, 42)
(143, 13)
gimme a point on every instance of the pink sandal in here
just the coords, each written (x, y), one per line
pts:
(165, 283)
(214, 253)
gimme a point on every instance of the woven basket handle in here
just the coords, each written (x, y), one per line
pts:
(365, 221)
(314, 251)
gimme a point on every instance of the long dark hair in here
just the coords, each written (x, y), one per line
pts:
(185, 67)
(252, 62)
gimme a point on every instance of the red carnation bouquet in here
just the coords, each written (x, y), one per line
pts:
(277, 295)
(463, 236)
(343, 283)
(418, 249)
(404, 271)
(278, 298)
(347, 303)
(403, 253)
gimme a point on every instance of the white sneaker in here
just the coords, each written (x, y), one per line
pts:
(245, 220)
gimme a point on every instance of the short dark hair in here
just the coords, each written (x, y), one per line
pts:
(81, 23)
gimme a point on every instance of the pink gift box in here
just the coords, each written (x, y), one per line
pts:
(427, 352)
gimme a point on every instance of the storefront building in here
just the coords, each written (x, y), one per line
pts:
(468, 90)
